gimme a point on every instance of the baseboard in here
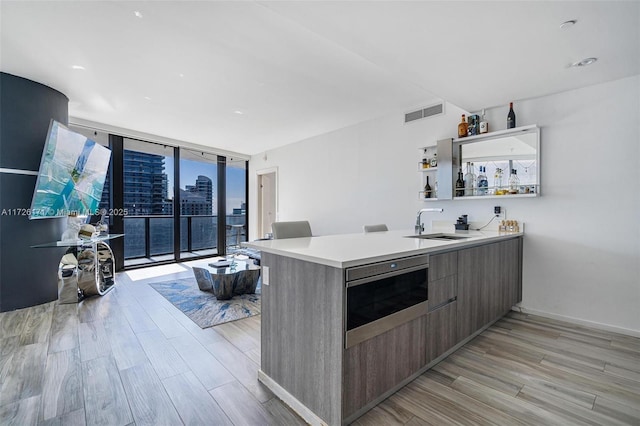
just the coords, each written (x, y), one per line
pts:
(297, 406)
(578, 321)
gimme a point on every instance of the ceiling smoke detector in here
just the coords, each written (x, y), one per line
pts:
(584, 62)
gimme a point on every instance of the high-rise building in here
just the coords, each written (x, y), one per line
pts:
(145, 184)
(197, 199)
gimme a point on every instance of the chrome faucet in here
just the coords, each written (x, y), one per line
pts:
(419, 226)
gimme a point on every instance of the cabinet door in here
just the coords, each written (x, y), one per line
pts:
(440, 291)
(488, 284)
(376, 365)
(511, 273)
(442, 332)
(442, 265)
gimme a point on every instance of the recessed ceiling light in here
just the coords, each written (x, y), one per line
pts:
(181, 75)
(238, 112)
(584, 62)
(568, 24)
(77, 67)
(138, 14)
(147, 98)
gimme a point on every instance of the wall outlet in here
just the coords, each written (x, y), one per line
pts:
(499, 212)
(265, 275)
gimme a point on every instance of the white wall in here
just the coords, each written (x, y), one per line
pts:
(582, 242)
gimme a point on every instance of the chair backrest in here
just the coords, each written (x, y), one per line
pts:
(375, 228)
(296, 229)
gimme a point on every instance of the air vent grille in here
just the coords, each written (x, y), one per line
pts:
(424, 113)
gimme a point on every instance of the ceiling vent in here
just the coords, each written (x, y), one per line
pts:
(424, 113)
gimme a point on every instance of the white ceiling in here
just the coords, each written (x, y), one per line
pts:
(298, 69)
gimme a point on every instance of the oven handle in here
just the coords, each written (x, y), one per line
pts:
(386, 275)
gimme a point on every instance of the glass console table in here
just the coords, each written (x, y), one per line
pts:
(94, 267)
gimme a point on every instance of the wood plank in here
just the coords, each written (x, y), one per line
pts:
(193, 403)
(38, 324)
(64, 328)
(250, 412)
(241, 367)
(164, 320)
(209, 371)
(8, 346)
(125, 347)
(105, 401)
(455, 398)
(622, 372)
(524, 411)
(386, 413)
(24, 373)
(571, 412)
(93, 339)
(242, 337)
(627, 413)
(138, 319)
(281, 414)
(74, 418)
(490, 376)
(23, 412)
(12, 323)
(162, 355)
(149, 402)
(62, 392)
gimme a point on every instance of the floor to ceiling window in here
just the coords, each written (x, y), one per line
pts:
(236, 203)
(148, 202)
(198, 204)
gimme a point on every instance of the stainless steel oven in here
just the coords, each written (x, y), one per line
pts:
(383, 295)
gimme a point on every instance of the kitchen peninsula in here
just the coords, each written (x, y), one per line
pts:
(349, 319)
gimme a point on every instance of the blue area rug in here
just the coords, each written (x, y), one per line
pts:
(202, 307)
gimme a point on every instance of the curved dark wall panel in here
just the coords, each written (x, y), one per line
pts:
(27, 276)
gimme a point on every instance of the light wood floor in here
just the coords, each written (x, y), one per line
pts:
(132, 358)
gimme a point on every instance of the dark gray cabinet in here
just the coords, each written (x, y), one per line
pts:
(377, 365)
(442, 333)
(489, 284)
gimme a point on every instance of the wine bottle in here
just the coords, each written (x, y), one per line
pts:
(463, 127)
(425, 160)
(511, 117)
(483, 182)
(484, 125)
(427, 189)
(459, 184)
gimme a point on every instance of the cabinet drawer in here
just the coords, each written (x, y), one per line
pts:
(443, 265)
(441, 291)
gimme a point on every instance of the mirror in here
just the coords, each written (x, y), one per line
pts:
(510, 160)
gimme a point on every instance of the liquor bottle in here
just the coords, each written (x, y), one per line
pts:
(484, 125)
(469, 181)
(434, 160)
(459, 184)
(483, 183)
(427, 189)
(511, 117)
(463, 127)
(435, 190)
(514, 182)
(425, 160)
(497, 182)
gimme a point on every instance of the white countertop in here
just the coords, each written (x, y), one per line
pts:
(346, 250)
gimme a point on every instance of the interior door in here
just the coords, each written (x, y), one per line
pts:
(266, 202)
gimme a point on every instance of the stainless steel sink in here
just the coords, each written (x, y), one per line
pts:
(439, 237)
